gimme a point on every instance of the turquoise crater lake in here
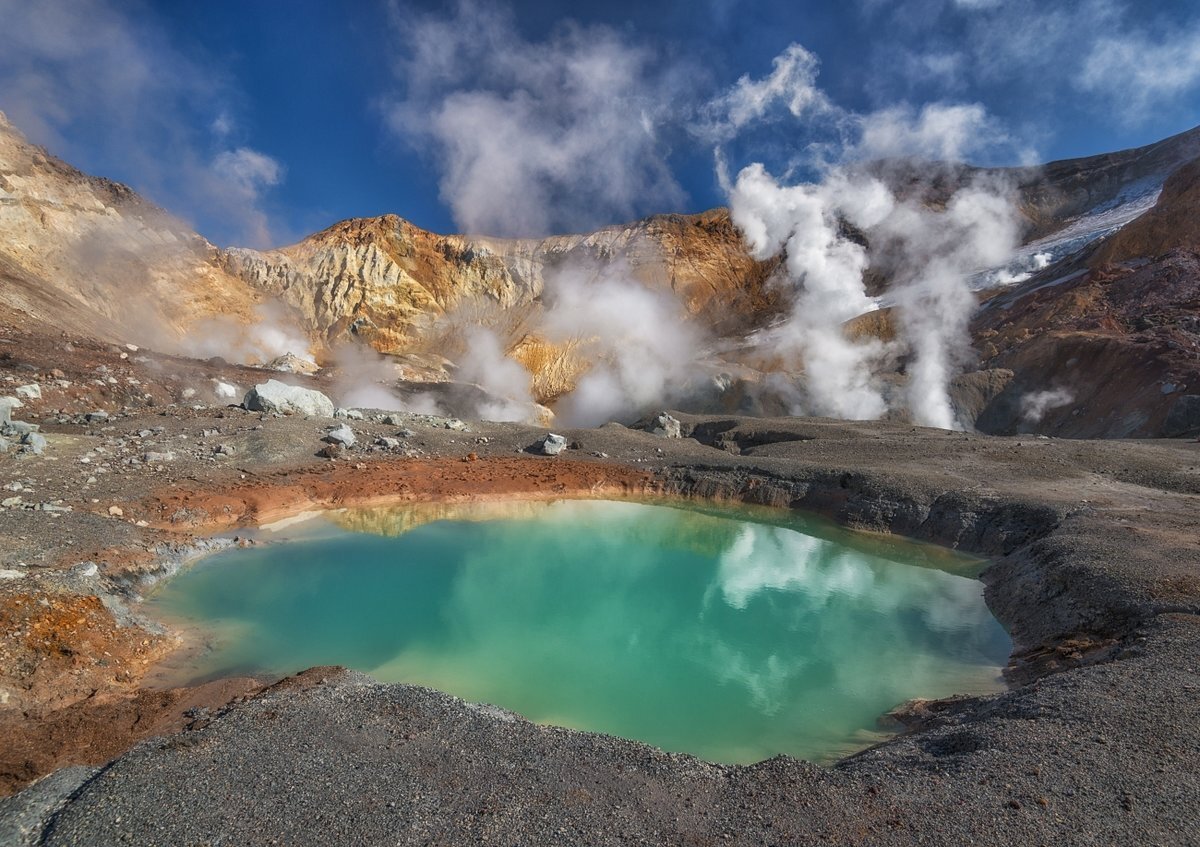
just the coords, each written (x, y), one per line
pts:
(733, 636)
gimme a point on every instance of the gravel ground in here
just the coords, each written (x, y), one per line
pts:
(1094, 570)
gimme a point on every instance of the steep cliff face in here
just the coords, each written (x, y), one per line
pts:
(387, 280)
(88, 253)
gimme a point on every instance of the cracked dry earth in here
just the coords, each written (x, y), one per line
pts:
(1095, 570)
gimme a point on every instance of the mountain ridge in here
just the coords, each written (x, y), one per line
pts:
(84, 252)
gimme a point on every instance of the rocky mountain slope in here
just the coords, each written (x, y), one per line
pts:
(81, 252)
(387, 280)
(1106, 343)
(1100, 343)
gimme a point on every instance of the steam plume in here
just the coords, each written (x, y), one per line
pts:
(828, 267)
(640, 342)
(834, 228)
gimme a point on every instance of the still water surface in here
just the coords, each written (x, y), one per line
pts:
(712, 633)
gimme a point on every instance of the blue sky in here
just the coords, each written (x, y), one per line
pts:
(262, 122)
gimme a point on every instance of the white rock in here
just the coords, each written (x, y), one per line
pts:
(276, 396)
(553, 444)
(293, 364)
(225, 390)
(666, 426)
(340, 434)
(7, 404)
(33, 391)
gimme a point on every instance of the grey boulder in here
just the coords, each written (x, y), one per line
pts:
(7, 404)
(276, 396)
(340, 434)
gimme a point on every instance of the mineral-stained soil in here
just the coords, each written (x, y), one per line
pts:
(1095, 570)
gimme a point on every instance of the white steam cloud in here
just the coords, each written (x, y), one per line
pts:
(272, 333)
(486, 365)
(364, 379)
(804, 220)
(1036, 404)
(824, 229)
(943, 132)
(639, 341)
(534, 138)
(792, 82)
(937, 252)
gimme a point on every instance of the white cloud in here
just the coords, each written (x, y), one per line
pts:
(535, 137)
(1137, 72)
(1117, 58)
(792, 84)
(247, 173)
(103, 87)
(938, 131)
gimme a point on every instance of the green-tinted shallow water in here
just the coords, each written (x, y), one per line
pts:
(730, 639)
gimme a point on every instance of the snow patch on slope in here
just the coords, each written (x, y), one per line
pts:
(1105, 219)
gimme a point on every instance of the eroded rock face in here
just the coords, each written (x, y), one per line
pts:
(276, 396)
(384, 279)
(1183, 418)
